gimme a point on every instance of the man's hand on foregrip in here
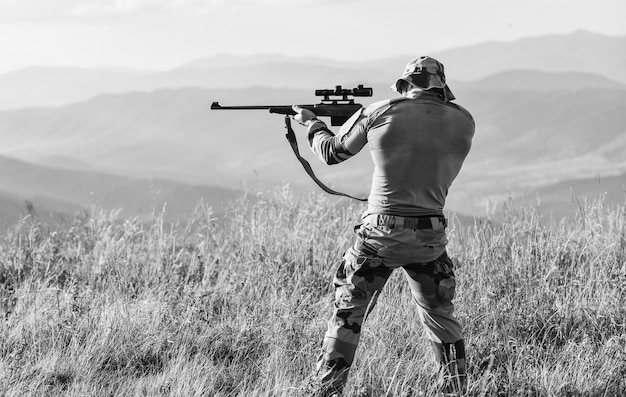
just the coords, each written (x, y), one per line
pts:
(304, 116)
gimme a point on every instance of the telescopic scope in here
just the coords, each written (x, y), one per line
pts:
(339, 91)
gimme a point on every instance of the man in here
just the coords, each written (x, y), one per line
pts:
(418, 143)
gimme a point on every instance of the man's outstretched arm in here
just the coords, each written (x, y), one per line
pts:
(328, 147)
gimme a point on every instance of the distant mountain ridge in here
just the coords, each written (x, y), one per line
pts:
(520, 80)
(611, 189)
(537, 126)
(55, 192)
(14, 207)
(582, 52)
(528, 138)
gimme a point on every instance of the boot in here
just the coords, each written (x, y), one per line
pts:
(451, 359)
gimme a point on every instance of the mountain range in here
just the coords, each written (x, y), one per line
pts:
(580, 51)
(544, 122)
(56, 194)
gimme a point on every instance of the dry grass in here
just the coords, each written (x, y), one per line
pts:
(104, 306)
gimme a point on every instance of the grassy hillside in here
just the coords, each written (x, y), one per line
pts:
(107, 306)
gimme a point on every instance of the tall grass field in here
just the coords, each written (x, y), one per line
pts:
(104, 306)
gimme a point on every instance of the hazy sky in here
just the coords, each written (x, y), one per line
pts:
(167, 33)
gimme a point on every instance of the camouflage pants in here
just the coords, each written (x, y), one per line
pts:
(385, 243)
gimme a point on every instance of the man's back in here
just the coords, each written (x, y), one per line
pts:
(418, 143)
(418, 146)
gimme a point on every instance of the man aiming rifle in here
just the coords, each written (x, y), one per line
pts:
(418, 143)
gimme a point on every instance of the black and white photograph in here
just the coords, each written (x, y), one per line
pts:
(312, 198)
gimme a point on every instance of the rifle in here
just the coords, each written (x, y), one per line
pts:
(338, 109)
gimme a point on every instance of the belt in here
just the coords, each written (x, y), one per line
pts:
(435, 222)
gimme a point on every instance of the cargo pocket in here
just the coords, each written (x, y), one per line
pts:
(444, 279)
(357, 276)
(355, 259)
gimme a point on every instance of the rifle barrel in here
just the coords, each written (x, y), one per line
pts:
(216, 105)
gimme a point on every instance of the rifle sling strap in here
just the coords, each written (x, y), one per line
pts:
(291, 137)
